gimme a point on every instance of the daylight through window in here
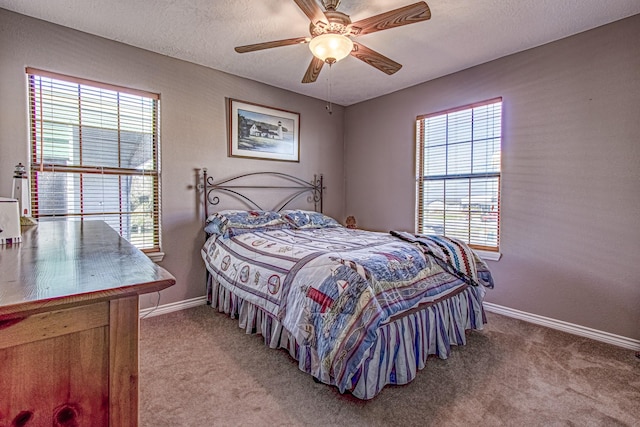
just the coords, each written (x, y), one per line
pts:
(458, 173)
(95, 155)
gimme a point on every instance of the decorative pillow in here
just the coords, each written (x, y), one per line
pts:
(234, 222)
(309, 219)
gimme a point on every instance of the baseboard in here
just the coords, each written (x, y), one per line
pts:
(560, 325)
(571, 328)
(173, 306)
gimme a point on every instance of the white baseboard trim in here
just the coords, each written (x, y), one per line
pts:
(560, 325)
(548, 322)
(173, 306)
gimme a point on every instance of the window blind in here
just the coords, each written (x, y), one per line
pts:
(458, 173)
(95, 155)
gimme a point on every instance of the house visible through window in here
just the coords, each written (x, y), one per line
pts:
(95, 155)
(458, 173)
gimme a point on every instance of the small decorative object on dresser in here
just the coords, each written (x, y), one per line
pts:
(20, 190)
(9, 221)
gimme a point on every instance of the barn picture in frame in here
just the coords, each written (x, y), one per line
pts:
(261, 132)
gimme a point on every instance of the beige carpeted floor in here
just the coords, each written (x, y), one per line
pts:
(197, 368)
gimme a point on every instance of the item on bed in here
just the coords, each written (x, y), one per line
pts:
(234, 222)
(357, 309)
(302, 219)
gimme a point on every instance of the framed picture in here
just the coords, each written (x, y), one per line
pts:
(261, 132)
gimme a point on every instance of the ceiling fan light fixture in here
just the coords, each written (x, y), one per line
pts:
(331, 47)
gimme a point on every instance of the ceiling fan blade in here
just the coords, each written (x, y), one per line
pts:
(312, 10)
(313, 70)
(375, 59)
(394, 18)
(269, 45)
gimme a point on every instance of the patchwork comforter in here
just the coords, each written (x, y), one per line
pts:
(332, 288)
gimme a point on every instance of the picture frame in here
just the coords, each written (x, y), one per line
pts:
(260, 132)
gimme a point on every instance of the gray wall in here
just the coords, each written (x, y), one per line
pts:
(570, 228)
(193, 127)
(571, 156)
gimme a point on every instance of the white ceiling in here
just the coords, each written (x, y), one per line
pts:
(460, 34)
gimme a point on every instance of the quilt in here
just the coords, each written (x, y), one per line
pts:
(331, 288)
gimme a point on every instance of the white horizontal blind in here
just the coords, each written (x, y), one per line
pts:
(94, 155)
(458, 173)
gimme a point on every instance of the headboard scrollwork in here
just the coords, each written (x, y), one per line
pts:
(239, 187)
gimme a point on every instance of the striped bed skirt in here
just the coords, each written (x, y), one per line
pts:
(400, 351)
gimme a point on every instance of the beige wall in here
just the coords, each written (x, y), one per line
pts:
(571, 172)
(193, 126)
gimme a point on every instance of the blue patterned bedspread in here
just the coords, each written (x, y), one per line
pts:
(333, 287)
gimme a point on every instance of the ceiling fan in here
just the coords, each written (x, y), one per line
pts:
(331, 33)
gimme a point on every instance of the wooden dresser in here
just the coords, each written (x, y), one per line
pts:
(69, 325)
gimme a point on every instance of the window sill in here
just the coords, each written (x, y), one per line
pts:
(155, 256)
(488, 255)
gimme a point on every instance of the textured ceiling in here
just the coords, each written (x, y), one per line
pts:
(460, 34)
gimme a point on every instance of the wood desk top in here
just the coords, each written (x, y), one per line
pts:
(61, 264)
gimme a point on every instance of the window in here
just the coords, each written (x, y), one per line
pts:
(458, 173)
(95, 155)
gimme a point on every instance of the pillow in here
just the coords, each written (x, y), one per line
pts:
(234, 222)
(308, 219)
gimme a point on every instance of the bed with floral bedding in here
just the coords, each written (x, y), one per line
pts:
(357, 309)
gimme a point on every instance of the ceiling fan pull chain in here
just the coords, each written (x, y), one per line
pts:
(329, 106)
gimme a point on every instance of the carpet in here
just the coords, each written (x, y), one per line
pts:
(197, 368)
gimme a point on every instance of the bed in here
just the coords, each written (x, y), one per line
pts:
(356, 309)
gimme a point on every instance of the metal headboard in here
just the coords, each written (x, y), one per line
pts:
(235, 187)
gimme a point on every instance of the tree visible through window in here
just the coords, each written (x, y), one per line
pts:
(458, 173)
(95, 155)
